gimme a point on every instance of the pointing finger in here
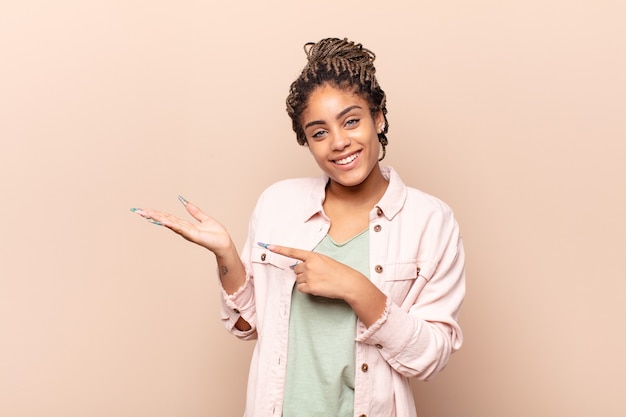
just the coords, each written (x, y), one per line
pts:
(294, 253)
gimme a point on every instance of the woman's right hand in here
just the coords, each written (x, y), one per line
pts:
(206, 232)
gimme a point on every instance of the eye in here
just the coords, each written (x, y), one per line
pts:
(352, 122)
(318, 134)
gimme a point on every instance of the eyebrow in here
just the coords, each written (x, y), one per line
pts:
(339, 116)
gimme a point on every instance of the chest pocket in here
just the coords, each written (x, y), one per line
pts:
(264, 257)
(404, 281)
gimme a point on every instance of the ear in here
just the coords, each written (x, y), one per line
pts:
(379, 121)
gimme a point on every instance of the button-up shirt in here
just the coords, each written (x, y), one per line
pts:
(416, 260)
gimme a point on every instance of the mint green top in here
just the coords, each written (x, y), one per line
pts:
(320, 358)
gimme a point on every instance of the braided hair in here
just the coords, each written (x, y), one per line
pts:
(342, 64)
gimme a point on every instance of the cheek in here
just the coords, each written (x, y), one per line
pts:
(318, 158)
(316, 150)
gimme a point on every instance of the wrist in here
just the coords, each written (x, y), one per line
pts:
(227, 252)
(367, 301)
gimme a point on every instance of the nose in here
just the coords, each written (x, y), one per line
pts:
(340, 140)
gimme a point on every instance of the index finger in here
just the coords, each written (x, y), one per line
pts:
(299, 254)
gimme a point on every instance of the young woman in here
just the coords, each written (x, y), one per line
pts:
(351, 282)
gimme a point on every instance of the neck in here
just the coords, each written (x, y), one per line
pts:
(367, 193)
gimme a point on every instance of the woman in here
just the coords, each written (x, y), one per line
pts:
(351, 282)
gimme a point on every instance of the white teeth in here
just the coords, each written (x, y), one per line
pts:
(347, 160)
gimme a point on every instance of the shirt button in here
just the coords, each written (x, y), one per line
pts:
(378, 269)
(364, 367)
(378, 228)
(263, 256)
(379, 211)
(378, 345)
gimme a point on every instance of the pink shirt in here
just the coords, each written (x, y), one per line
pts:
(416, 259)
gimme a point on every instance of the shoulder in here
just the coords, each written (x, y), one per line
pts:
(427, 201)
(423, 207)
(293, 193)
(412, 199)
(433, 213)
(293, 185)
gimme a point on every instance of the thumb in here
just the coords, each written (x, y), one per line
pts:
(192, 209)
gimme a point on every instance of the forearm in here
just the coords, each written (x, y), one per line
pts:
(232, 275)
(231, 270)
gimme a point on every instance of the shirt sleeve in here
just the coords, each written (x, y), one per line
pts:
(418, 341)
(242, 303)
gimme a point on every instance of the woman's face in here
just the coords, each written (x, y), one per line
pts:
(342, 134)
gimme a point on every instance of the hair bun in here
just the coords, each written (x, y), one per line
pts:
(333, 48)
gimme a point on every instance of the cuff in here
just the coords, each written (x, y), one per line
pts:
(390, 333)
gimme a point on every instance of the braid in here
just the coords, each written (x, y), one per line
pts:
(343, 64)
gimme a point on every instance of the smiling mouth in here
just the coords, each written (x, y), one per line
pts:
(347, 159)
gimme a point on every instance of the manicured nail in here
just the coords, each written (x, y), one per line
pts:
(150, 219)
(263, 245)
(139, 212)
(293, 266)
(182, 200)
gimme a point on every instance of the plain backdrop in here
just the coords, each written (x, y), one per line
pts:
(513, 112)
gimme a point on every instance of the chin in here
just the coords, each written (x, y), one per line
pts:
(349, 180)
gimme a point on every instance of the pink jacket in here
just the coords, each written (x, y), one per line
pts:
(416, 259)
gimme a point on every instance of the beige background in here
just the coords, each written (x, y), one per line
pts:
(511, 111)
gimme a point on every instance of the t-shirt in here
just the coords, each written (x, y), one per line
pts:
(321, 353)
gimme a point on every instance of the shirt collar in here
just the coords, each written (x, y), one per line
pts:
(391, 202)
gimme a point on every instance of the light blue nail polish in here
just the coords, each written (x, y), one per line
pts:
(182, 200)
(263, 245)
(155, 222)
(134, 210)
(293, 266)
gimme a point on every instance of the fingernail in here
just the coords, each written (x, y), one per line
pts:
(264, 245)
(182, 200)
(150, 219)
(293, 266)
(139, 212)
